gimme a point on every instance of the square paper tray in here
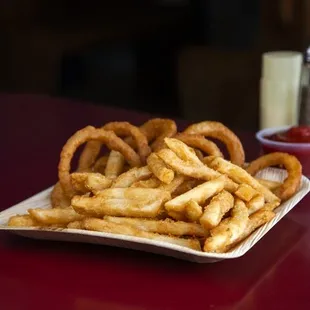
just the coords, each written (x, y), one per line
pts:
(41, 200)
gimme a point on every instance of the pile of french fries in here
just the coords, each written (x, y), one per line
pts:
(208, 205)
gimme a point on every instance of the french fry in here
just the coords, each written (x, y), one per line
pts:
(76, 225)
(153, 182)
(55, 216)
(183, 151)
(199, 194)
(213, 213)
(131, 176)
(166, 227)
(239, 175)
(272, 185)
(256, 203)
(97, 182)
(229, 230)
(193, 211)
(159, 168)
(245, 192)
(104, 226)
(22, 221)
(175, 183)
(78, 180)
(178, 216)
(115, 165)
(146, 203)
(270, 206)
(256, 220)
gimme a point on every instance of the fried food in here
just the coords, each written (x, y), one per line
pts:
(199, 194)
(132, 202)
(166, 227)
(214, 212)
(240, 176)
(200, 143)
(256, 203)
(159, 169)
(193, 211)
(104, 226)
(290, 163)
(152, 182)
(272, 185)
(22, 221)
(90, 133)
(126, 129)
(58, 197)
(245, 192)
(229, 230)
(100, 164)
(158, 184)
(219, 131)
(255, 221)
(115, 165)
(54, 216)
(131, 176)
(157, 129)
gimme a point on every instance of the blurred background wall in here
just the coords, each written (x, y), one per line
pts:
(180, 58)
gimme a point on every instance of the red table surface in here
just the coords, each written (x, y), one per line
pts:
(58, 275)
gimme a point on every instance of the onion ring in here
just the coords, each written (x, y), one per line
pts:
(86, 134)
(158, 129)
(92, 148)
(100, 164)
(290, 163)
(200, 142)
(220, 132)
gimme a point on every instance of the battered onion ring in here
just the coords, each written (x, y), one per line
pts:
(218, 131)
(200, 142)
(90, 133)
(290, 163)
(92, 148)
(58, 198)
(157, 129)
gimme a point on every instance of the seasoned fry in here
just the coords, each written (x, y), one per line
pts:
(166, 227)
(256, 220)
(131, 176)
(184, 152)
(245, 192)
(199, 194)
(76, 225)
(102, 225)
(213, 213)
(193, 211)
(291, 164)
(153, 182)
(199, 142)
(100, 164)
(239, 175)
(187, 168)
(58, 197)
(54, 216)
(132, 202)
(256, 203)
(229, 230)
(159, 168)
(22, 221)
(115, 165)
(272, 185)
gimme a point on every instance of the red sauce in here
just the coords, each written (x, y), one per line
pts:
(297, 134)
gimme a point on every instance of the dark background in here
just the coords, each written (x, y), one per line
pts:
(179, 58)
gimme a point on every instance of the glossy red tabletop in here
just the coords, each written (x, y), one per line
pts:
(34, 274)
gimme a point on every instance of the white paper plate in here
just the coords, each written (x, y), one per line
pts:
(41, 200)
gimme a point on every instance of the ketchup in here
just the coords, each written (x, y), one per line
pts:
(297, 134)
